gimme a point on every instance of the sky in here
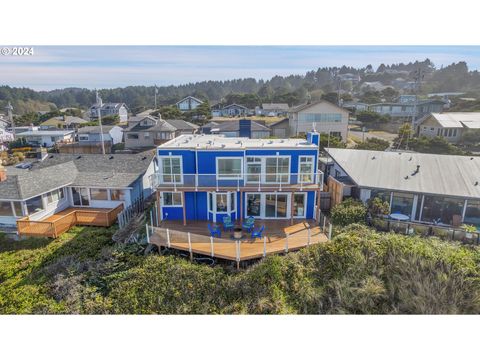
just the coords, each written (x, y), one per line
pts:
(55, 67)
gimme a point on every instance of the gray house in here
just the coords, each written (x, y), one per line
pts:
(237, 128)
(92, 134)
(109, 109)
(189, 103)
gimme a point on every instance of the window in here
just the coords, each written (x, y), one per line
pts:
(253, 204)
(80, 196)
(254, 169)
(454, 132)
(55, 196)
(323, 117)
(34, 205)
(132, 136)
(17, 207)
(472, 213)
(146, 135)
(382, 195)
(442, 210)
(306, 169)
(6, 208)
(172, 199)
(299, 201)
(222, 205)
(99, 194)
(277, 169)
(83, 137)
(402, 203)
(439, 132)
(229, 168)
(171, 168)
(117, 195)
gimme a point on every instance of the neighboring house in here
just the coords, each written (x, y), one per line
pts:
(109, 109)
(46, 138)
(408, 109)
(207, 177)
(355, 106)
(323, 115)
(149, 131)
(237, 128)
(272, 109)
(5, 136)
(428, 188)
(189, 103)
(234, 110)
(111, 133)
(62, 122)
(280, 129)
(63, 181)
(373, 85)
(354, 79)
(449, 125)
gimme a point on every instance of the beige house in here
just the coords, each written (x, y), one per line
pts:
(450, 126)
(323, 115)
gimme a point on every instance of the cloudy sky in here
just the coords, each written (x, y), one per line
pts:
(53, 67)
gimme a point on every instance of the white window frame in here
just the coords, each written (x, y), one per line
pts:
(263, 197)
(305, 205)
(312, 174)
(231, 208)
(171, 192)
(94, 188)
(84, 136)
(160, 169)
(263, 169)
(229, 177)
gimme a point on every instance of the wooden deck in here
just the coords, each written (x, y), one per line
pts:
(56, 224)
(280, 237)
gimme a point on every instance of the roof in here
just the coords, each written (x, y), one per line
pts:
(182, 124)
(215, 142)
(58, 170)
(307, 105)
(96, 129)
(237, 105)
(449, 175)
(234, 125)
(67, 121)
(279, 122)
(115, 106)
(470, 120)
(190, 97)
(46, 133)
(163, 125)
(275, 106)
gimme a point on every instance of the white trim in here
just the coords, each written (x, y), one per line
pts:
(160, 168)
(263, 169)
(263, 204)
(232, 177)
(305, 204)
(162, 197)
(312, 157)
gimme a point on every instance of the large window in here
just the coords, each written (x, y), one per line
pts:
(381, 194)
(277, 169)
(254, 169)
(117, 195)
(98, 194)
(322, 117)
(17, 206)
(34, 205)
(6, 208)
(229, 168)
(253, 205)
(472, 213)
(224, 203)
(402, 203)
(299, 204)
(442, 210)
(55, 195)
(80, 196)
(172, 199)
(171, 169)
(276, 205)
(305, 170)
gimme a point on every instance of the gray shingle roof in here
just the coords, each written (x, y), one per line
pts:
(57, 170)
(95, 129)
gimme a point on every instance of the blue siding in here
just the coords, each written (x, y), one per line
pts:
(207, 163)
(174, 213)
(310, 204)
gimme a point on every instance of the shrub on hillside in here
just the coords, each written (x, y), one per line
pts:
(348, 212)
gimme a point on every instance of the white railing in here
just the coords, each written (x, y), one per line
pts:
(251, 180)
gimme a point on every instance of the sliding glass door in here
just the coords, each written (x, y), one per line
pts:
(268, 205)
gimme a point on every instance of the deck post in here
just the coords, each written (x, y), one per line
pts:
(324, 221)
(330, 232)
(190, 246)
(286, 243)
(168, 238)
(237, 250)
(319, 202)
(151, 217)
(291, 209)
(184, 209)
(309, 235)
(148, 235)
(211, 245)
(241, 206)
(159, 210)
(264, 246)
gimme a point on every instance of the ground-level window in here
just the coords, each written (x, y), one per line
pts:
(299, 204)
(222, 202)
(472, 212)
(80, 196)
(98, 194)
(442, 210)
(132, 136)
(117, 195)
(34, 205)
(402, 203)
(55, 195)
(381, 194)
(172, 199)
(6, 208)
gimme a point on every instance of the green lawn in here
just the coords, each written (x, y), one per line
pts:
(360, 271)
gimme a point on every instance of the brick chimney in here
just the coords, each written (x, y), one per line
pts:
(3, 173)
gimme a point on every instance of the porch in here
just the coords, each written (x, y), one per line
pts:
(279, 237)
(56, 224)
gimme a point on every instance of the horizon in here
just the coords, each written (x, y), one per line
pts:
(91, 67)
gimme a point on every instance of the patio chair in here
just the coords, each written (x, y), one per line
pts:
(248, 223)
(258, 233)
(215, 232)
(227, 223)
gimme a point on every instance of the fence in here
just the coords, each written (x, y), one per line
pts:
(411, 228)
(137, 207)
(326, 225)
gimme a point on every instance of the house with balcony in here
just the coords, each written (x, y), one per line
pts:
(49, 195)
(422, 188)
(188, 103)
(46, 138)
(207, 177)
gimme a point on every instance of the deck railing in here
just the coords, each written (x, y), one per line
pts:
(56, 227)
(251, 180)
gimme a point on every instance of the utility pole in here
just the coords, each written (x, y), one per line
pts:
(417, 77)
(156, 92)
(99, 112)
(9, 109)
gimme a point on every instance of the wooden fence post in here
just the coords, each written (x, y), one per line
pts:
(190, 246)
(168, 238)
(211, 245)
(309, 235)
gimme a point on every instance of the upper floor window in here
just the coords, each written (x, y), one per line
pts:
(171, 169)
(305, 169)
(229, 167)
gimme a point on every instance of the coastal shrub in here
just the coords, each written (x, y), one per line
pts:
(349, 211)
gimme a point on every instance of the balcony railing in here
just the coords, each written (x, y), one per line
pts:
(245, 180)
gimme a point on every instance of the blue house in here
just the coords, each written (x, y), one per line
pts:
(206, 177)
